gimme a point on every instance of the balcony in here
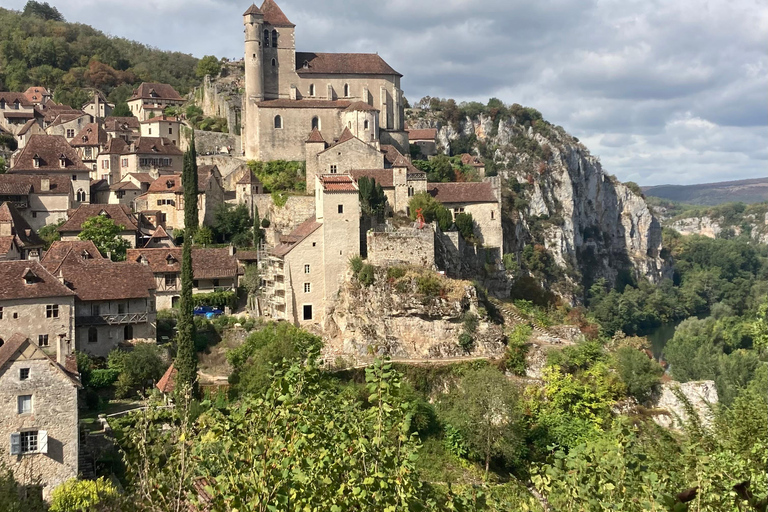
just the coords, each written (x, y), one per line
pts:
(277, 299)
(118, 319)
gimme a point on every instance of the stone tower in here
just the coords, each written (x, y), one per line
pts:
(253, 19)
(279, 44)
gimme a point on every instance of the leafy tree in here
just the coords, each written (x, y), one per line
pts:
(233, 224)
(208, 65)
(42, 10)
(466, 226)
(432, 209)
(186, 356)
(138, 368)
(280, 175)
(84, 495)
(641, 374)
(189, 180)
(14, 496)
(372, 197)
(482, 408)
(50, 233)
(121, 110)
(204, 236)
(105, 234)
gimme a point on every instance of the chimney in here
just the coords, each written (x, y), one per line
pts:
(231, 250)
(45, 184)
(63, 349)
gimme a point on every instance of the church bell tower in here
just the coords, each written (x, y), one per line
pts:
(253, 19)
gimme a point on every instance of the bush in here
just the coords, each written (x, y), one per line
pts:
(429, 285)
(510, 262)
(466, 341)
(216, 299)
(366, 275)
(138, 368)
(103, 377)
(395, 272)
(356, 264)
(431, 209)
(280, 175)
(466, 226)
(640, 373)
(84, 495)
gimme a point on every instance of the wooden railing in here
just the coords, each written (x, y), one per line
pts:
(117, 319)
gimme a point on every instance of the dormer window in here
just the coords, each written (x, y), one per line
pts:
(29, 277)
(170, 260)
(2, 104)
(36, 161)
(169, 184)
(85, 255)
(16, 105)
(62, 161)
(312, 86)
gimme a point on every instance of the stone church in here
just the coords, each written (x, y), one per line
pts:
(288, 94)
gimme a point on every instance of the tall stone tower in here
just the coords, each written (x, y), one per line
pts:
(253, 19)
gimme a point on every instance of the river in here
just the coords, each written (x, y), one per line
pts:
(661, 336)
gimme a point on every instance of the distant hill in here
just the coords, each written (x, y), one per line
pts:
(40, 48)
(710, 194)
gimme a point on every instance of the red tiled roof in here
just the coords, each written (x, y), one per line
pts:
(59, 251)
(67, 117)
(154, 146)
(170, 183)
(115, 146)
(301, 232)
(309, 103)
(143, 177)
(345, 136)
(472, 160)
(167, 382)
(91, 135)
(342, 64)
(12, 97)
(248, 256)
(15, 274)
(273, 15)
(391, 154)
(315, 136)
(360, 105)
(6, 244)
(124, 185)
(49, 149)
(36, 94)
(248, 178)
(25, 184)
(401, 161)
(116, 124)
(382, 176)
(119, 213)
(207, 263)
(29, 124)
(18, 113)
(338, 183)
(25, 235)
(468, 192)
(252, 10)
(423, 134)
(162, 92)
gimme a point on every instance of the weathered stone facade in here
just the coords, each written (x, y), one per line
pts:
(411, 246)
(283, 219)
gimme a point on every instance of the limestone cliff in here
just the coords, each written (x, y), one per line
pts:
(557, 196)
(712, 225)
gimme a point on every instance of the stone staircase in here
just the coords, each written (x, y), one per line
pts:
(509, 312)
(86, 463)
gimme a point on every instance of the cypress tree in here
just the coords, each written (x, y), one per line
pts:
(186, 357)
(189, 180)
(256, 227)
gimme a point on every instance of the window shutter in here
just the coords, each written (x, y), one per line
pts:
(42, 441)
(15, 443)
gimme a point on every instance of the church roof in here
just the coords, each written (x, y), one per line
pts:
(273, 15)
(360, 105)
(342, 64)
(252, 10)
(315, 136)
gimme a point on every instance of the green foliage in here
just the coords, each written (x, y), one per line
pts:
(233, 224)
(279, 198)
(469, 328)
(189, 180)
(517, 349)
(204, 236)
(510, 262)
(372, 197)
(186, 353)
(429, 285)
(208, 65)
(466, 226)
(122, 110)
(438, 169)
(102, 378)
(366, 275)
(634, 187)
(15, 497)
(220, 299)
(395, 272)
(138, 369)
(356, 265)
(432, 210)
(50, 233)
(42, 10)
(105, 234)
(641, 374)
(280, 175)
(84, 496)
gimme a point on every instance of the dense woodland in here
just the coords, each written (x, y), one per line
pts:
(38, 47)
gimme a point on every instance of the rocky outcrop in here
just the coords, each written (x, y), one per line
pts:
(394, 318)
(701, 395)
(714, 227)
(591, 224)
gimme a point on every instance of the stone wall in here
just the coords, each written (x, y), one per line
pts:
(410, 246)
(28, 316)
(212, 143)
(231, 168)
(283, 219)
(222, 97)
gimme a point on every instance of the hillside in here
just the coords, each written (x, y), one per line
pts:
(566, 222)
(40, 48)
(710, 194)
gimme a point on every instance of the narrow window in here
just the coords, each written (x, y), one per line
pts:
(307, 287)
(170, 280)
(333, 168)
(315, 123)
(308, 312)
(25, 404)
(266, 40)
(341, 208)
(170, 131)
(23, 373)
(274, 38)
(306, 269)
(410, 191)
(278, 122)
(311, 89)
(491, 214)
(93, 335)
(52, 311)
(42, 340)
(274, 62)
(346, 90)
(1, 312)
(128, 332)
(365, 124)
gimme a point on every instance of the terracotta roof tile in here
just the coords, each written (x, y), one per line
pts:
(59, 250)
(252, 10)
(12, 97)
(472, 160)
(338, 183)
(391, 154)
(170, 183)
(153, 146)
(124, 185)
(116, 124)
(49, 149)
(273, 15)
(25, 235)
(360, 105)
(468, 192)
(342, 64)
(66, 117)
(27, 126)
(143, 177)
(248, 256)
(28, 279)
(422, 134)
(10, 347)
(115, 146)
(207, 263)
(25, 184)
(308, 103)
(382, 176)
(167, 382)
(6, 244)
(315, 136)
(149, 90)
(119, 213)
(16, 114)
(301, 232)
(92, 134)
(35, 94)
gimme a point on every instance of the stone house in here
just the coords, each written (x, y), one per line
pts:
(288, 93)
(126, 128)
(124, 191)
(37, 95)
(151, 155)
(49, 111)
(425, 139)
(52, 154)
(15, 111)
(98, 107)
(38, 413)
(213, 269)
(150, 100)
(35, 302)
(89, 142)
(482, 200)
(162, 126)
(68, 125)
(304, 272)
(114, 302)
(400, 183)
(245, 188)
(31, 127)
(119, 213)
(40, 199)
(166, 194)
(349, 152)
(475, 162)
(28, 245)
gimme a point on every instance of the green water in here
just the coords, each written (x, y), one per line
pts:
(660, 337)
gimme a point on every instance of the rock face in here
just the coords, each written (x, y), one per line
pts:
(714, 227)
(700, 394)
(393, 318)
(589, 222)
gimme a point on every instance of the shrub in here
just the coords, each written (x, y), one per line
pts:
(138, 368)
(356, 264)
(84, 495)
(432, 210)
(395, 272)
(265, 223)
(640, 373)
(216, 299)
(103, 377)
(366, 276)
(510, 262)
(517, 349)
(429, 285)
(466, 225)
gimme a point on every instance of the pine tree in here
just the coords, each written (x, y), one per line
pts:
(186, 358)
(189, 180)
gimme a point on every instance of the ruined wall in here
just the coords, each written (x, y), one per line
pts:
(222, 97)
(405, 246)
(283, 219)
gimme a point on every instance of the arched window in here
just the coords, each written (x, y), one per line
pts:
(80, 195)
(93, 335)
(274, 38)
(349, 124)
(266, 38)
(128, 332)
(311, 89)
(315, 123)
(278, 122)
(274, 62)
(346, 90)
(365, 124)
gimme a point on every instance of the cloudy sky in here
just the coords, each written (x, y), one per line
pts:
(664, 91)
